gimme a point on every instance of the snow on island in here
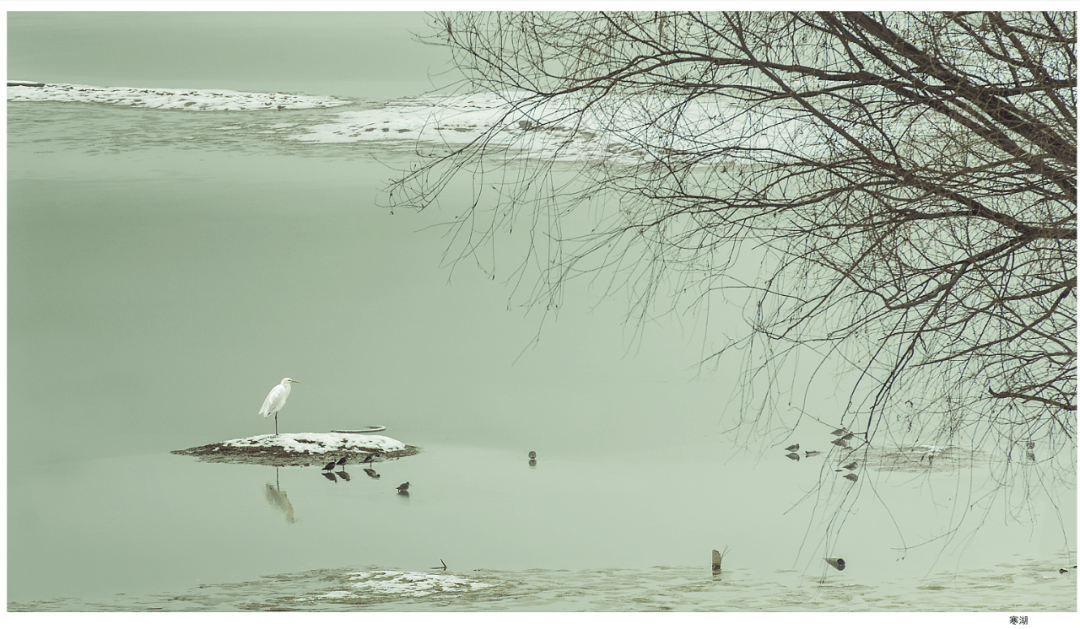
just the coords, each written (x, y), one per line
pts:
(300, 449)
(158, 98)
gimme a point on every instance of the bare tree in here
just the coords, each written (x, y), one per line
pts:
(904, 184)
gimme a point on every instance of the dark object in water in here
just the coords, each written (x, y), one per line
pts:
(836, 562)
(437, 567)
(532, 454)
(838, 431)
(810, 453)
(1062, 570)
(403, 488)
(372, 473)
(718, 558)
(850, 466)
(851, 477)
(794, 456)
(841, 442)
(329, 466)
(792, 448)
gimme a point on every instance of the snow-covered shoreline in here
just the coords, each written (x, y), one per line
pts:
(554, 130)
(159, 98)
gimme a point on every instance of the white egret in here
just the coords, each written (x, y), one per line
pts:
(276, 399)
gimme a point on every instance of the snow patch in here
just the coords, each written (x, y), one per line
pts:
(317, 442)
(158, 98)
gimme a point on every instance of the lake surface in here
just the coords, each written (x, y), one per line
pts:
(165, 269)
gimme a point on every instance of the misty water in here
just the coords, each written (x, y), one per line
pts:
(165, 269)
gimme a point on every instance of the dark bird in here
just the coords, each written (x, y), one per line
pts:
(329, 466)
(794, 456)
(851, 477)
(850, 466)
(341, 461)
(792, 448)
(372, 456)
(403, 488)
(532, 454)
(836, 562)
(838, 431)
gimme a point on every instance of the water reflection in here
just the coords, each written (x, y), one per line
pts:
(344, 475)
(372, 474)
(330, 476)
(278, 499)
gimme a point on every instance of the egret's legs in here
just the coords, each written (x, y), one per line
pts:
(275, 424)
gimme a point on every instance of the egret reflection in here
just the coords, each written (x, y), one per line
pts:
(278, 499)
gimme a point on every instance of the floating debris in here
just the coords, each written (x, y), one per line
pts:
(718, 558)
(836, 562)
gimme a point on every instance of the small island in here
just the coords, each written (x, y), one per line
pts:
(300, 449)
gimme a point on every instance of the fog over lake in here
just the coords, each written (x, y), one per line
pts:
(167, 264)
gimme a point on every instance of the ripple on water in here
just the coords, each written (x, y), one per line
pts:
(655, 589)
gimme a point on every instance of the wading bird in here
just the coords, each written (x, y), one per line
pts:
(792, 448)
(341, 461)
(276, 399)
(329, 466)
(403, 488)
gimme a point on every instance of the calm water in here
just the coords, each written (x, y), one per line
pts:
(165, 269)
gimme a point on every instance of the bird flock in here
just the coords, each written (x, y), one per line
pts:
(843, 441)
(275, 401)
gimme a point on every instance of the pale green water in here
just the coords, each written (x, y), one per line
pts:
(165, 269)
(159, 285)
